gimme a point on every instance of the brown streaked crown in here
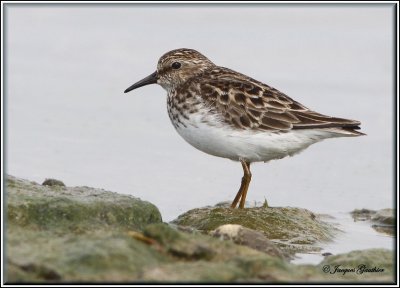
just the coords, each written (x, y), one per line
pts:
(192, 63)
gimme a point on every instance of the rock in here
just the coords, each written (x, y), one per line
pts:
(382, 220)
(292, 229)
(53, 182)
(203, 258)
(180, 245)
(384, 216)
(248, 237)
(64, 234)
(384, 229)
(361, 265)
(75, 233)
(74, 208)
(362, 214)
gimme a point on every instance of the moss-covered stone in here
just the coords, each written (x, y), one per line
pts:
(248, 237)
(293, 229)
(93, 256)
(383, 221)
(74, 208)
(53, 182)
(362, 214)
(58, 234)
(362, 265)
(384, 216)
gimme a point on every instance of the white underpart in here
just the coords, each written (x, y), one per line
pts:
(222, 141)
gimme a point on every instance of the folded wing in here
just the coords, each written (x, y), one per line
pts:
(246, 103)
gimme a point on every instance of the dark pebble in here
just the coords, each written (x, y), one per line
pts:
(53, 182)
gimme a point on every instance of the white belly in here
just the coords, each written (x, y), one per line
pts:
(248, 145)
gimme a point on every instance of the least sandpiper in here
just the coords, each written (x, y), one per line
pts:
(227, 114)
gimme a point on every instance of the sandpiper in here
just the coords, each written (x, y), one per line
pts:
(227, 114)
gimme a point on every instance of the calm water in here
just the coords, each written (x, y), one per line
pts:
(67, 116)
(353, 235)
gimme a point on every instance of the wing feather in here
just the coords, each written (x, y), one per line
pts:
(246, 103)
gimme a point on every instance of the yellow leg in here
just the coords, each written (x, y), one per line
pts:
(244, 186)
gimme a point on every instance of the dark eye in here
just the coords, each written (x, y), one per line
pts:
(176, 65)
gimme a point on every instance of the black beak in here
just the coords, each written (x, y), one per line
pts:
(151, 79)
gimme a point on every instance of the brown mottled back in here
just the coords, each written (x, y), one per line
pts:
(246, 103)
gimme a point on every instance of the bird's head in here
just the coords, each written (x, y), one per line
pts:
(175, 68)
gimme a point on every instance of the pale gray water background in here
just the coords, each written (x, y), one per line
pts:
(68, 118)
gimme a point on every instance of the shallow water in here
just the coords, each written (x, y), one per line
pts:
(67, 117)
(353, 235)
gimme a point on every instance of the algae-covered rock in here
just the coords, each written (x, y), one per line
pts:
(53, 182)
(203, 258)
(362, 214)
(90, 256)
(384, 216)
(248, 237)
(382, 221)
(292, 229)
(195, 246)
(362, 265)
(74, 208)
(199, 258)
(57, 234)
